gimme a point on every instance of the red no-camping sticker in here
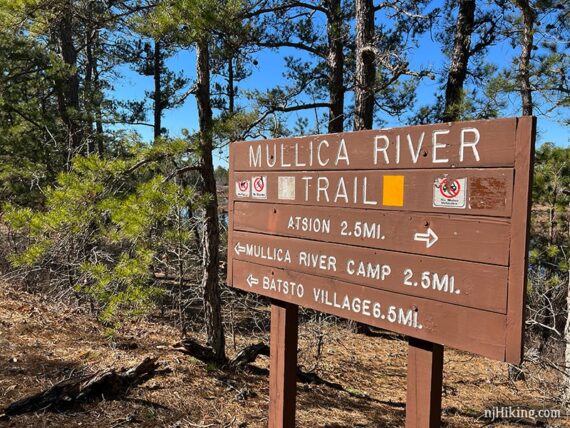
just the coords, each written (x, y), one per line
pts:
(258, 184)
(448, 189)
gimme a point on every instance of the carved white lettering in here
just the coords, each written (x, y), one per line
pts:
(254, 157)
(342, 154)
(321, 162)
(437, 145)
(383, 149)
(472, 144)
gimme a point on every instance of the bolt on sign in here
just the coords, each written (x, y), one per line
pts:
(419, 230)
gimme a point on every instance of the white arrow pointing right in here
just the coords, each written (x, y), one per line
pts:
(429, 237)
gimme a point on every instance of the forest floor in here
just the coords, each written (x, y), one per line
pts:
(42, 343)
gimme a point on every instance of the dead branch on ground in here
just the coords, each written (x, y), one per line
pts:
(107, 384)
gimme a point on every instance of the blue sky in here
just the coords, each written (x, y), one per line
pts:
(269, 72)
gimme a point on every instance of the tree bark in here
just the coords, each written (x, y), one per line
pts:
(67, 87)
(335, 62)
(567, 349)
(97, 98)
(157, 71)
(99, 129)
(249, 354)
(365, 66)
(92, 90)
(459, 60)
(89, 88)
(528, 16)
(211, 234)
(231, 92)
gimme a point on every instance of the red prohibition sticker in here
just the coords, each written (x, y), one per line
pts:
(450, 193)
(242, 189)
(258, 184)
(449, 189)
(259, 187)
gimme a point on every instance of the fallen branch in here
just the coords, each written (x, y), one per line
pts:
(249, 354)
(246, 356)
(107, 384)
(194, 349)
(314, 379)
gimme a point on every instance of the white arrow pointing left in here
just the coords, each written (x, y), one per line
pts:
(251, 280)
(239, 249)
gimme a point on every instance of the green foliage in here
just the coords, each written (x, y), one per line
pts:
(111, 217)
(549, 68)
(30, 155)
(552, 176)
(550, 243)
(38, 83)
(551, 197)
(188, 21)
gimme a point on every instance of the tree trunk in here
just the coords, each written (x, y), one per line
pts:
(566, 393)
(231, 92)
(335, 62)
(459, 60)
(67, 86)
(567, 350)
(211, 235)
(89, 88)
(526, 50)
(364, 79)
(528, 16)
(92, 91)
(99, 130)
(365, 76)
(97, 98)
(157, 69)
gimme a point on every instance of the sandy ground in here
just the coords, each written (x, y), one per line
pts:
(42, 343)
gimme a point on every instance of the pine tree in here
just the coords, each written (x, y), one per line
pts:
(539, 73)
(466, 30)
(322, 79)
(383, 79)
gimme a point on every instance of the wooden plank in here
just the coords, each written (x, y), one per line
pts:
(425, 381)
(471, 330)
(485, 192)
(458, 237)
(283, 365)
(424, 146)
(473, 285)
(526, 130)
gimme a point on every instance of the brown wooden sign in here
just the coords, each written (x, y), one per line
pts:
(444, 322)
(420, 230)
(478, 144)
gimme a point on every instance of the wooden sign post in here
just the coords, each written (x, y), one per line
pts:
(419, 230)
(283, 364)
